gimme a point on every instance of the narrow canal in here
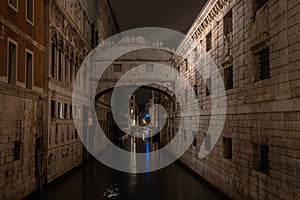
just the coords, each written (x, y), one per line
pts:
(95, 181)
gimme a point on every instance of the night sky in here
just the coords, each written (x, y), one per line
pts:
(173, 14)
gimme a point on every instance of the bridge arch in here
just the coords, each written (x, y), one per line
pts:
(161, 88)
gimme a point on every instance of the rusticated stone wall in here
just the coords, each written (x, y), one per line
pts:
(261, 131)
(20, 129)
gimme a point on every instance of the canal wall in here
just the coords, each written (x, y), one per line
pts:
(256, 47)
(20, 133)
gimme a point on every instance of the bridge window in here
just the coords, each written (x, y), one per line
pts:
(118, 68)
(150, 68)
(227, 148)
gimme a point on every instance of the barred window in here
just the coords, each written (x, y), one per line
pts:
(196, 89)
(208, 87)
(228, 23)
(207, 142)
(208, 41)
(195, 142)
(150, 68)
(261, 158)
(259, 3)
(228, 78)
(227, 148)
(118, 68)
(263, 57)
(186, 63)
(17, 150)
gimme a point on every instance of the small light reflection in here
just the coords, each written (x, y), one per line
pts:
(133, 177)
(147, 175)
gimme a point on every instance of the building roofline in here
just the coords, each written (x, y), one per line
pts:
(114, 16)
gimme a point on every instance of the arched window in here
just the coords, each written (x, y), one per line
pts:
(60, 56)
(72, 69)
(67, 71)
(53, 56)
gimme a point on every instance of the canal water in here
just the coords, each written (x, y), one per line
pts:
(95, 181)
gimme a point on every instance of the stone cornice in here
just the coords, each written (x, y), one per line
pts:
(55, 30)
(13, 90)
(73, 26)
(25, 36)
(209, 13)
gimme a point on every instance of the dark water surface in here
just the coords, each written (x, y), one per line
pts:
(95, 181)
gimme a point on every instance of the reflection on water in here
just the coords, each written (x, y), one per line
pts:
(133, 178)
(97, 181)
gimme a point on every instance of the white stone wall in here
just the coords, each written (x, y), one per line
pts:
(69, 25)
(258, 112)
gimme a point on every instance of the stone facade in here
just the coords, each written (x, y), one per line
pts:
(73, 30)
(22, 50)
(43, 44)
(256, 46)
